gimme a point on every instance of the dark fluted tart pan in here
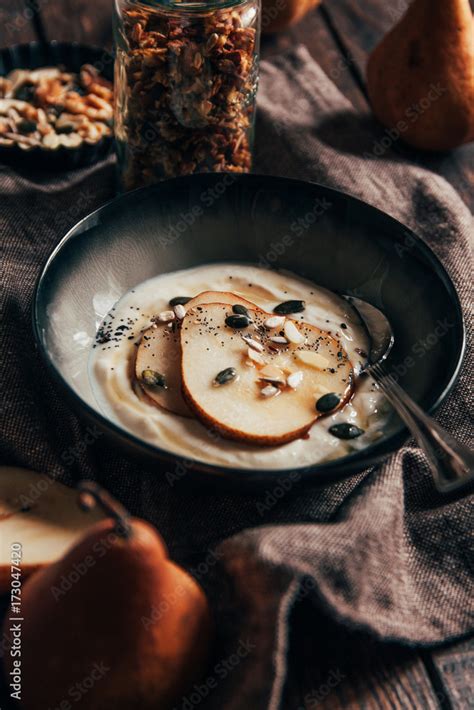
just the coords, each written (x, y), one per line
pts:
(71, 56)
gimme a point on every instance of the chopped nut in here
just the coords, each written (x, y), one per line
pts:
(188, 99)
(295, 379)
(165, 316)
(269, 391)
(255, 356)
(274, 322)
(32, 105)
(308, 357)
(271, 373)
(252, 343)
(180, 311)
(292, 333)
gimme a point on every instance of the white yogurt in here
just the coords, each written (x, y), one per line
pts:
(109, 369)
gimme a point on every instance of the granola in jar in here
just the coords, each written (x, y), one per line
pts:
(186, 80)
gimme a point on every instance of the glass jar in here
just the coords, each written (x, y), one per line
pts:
(186, 76)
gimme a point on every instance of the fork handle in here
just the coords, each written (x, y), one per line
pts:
(451, 463)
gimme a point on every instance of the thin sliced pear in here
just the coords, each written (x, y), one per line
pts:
(41, 515)
(247, 408)
(159, 351)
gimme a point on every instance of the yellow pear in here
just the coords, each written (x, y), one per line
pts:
(113, 625)
(277, 15)
(420, 77)
(39, 521)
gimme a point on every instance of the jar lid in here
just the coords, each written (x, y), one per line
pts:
(194, 5)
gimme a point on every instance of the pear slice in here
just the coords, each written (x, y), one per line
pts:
(159, 351)
(251, 405)
(41, 515)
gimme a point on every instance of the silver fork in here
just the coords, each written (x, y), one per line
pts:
(451, 463)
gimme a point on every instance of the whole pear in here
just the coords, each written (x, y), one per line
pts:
(113, 625)
(420, 77)
(277, 15)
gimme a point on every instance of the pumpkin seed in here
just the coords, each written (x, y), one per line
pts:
(179, 301)
(328, 402)
(237, 321)
(345, 431)
(225, 376)
(289, 307)
(151, 378)
(240, 310)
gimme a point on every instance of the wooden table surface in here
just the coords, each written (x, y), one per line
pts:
(363, 673)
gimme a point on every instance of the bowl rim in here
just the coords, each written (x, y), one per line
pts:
(323, 472)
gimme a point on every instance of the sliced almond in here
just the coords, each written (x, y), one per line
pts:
(269, 391)
(272, 374)
(292, 333)
(274, 322)
(255, 356)
(295, 379)
(308, 357)
(254, 344)
(279, 340)
(180, 311)
(165, 316)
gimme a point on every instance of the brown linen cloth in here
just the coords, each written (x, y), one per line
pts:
(381, 551)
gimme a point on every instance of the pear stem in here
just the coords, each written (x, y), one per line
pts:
(91, 494)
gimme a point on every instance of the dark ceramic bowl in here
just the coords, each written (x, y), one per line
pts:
(350, 247)
(71, 56)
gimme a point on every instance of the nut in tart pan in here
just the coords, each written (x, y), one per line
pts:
(56, 109)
